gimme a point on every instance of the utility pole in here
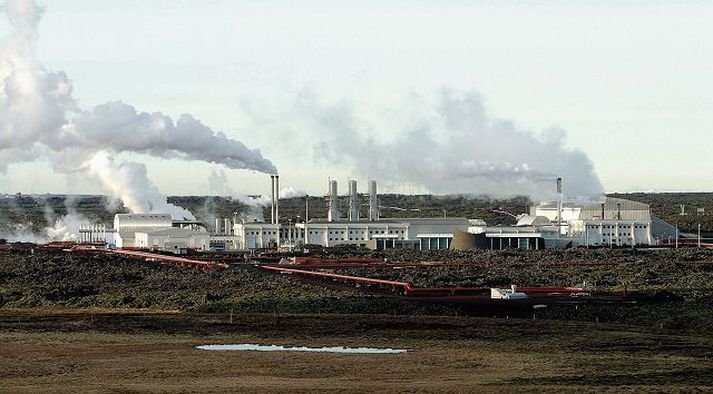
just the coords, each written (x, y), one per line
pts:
(559, 207)
(699, 235)
(677, 236)
(289, 232)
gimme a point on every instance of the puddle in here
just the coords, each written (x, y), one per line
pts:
(325, 349)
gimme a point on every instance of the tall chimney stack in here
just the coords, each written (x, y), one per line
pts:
(603, 210)
(272, 199)
(353, 202)
(559, 206)
(277, 199)
(333, 212)
(373, 202)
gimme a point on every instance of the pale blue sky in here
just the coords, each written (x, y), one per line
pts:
(630, 81)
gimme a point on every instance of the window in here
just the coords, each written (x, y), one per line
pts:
(433, 243)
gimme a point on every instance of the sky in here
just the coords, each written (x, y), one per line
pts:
(629, 82)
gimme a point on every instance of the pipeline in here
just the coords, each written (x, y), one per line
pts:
(174, 260)
(71, 244)
(431, 264)
(408, 289)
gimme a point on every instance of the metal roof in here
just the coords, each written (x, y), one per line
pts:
(530, 220)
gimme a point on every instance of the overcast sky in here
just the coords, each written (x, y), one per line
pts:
(631, 82)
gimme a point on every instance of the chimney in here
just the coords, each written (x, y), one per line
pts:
(306, 208)
(353, 202)
(603, 210)
(559, 206)
(277, 199)
(272, 199)
(373, 202)
(217, 225)
(333, 212)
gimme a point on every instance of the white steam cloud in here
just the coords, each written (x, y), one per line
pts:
(129, 182)
(445, 142)
(218, 183)
(453, 146)
(39, 118)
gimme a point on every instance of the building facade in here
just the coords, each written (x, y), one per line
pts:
(176, 240)
(420, 233)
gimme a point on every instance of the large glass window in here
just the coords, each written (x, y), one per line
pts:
(522, 243)
(433, 243)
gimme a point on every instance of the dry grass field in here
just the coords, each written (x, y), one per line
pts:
(129, 351)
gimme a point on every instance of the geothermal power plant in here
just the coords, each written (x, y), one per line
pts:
(609, 222)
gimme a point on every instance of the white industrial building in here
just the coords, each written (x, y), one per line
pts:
(173, 239)
(612, 232)
(372, 231)
(425, 233)
(126, 225)
(159, 231)
(530, 232)
(609, 222)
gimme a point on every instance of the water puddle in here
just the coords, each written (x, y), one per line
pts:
(324, 349)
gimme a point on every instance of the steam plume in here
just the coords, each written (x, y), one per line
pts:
(129, 181)
(40, 118)
(218, 183)
(452, 146)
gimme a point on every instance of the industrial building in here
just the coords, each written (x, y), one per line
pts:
(126, 225)
(158, 231)
(558, 224)
(609, 222)
(371, 231)
(606, 222)
(173, 239)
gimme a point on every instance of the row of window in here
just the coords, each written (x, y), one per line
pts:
(612, 226)
(361, 232)
(263, 233)
(435, 243)
(358, 239)
(270, 232)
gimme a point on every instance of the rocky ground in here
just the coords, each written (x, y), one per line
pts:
(675, 285)
(104, 323)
